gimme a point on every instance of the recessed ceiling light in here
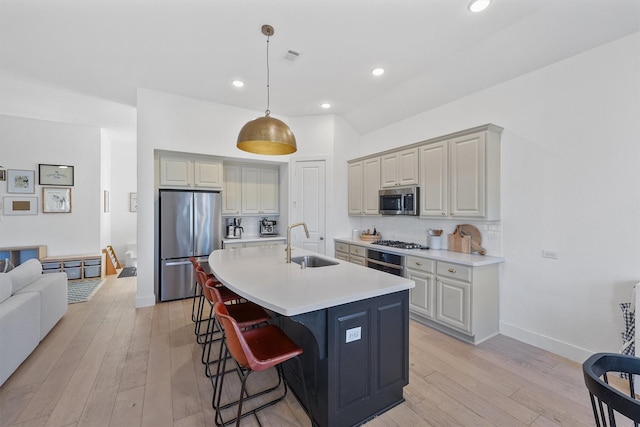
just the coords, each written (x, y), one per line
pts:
(479, 5)
(237, 83)
(377, 71)
(325, 105)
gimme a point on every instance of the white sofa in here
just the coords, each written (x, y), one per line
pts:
(31, 303)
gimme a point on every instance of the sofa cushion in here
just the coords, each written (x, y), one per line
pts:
(52, 288)
(19, 331)
(25, 274)
(5, 286)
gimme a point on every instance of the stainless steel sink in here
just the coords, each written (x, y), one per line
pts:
(311, 261)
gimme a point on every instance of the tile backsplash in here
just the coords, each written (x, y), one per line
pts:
(414, 229)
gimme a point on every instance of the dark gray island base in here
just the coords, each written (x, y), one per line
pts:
(356, 358)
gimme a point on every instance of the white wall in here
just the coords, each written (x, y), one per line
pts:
(570, 156)
(24, 144)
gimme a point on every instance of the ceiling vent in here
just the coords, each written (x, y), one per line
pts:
(291, 55)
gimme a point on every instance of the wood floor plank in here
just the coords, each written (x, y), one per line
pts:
(127, 410)
(158, 406)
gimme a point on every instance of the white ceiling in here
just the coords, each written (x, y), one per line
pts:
(434, 51)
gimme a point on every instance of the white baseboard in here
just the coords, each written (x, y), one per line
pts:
(146, 301)
(563, 349)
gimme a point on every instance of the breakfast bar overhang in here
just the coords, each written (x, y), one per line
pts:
(351, 321)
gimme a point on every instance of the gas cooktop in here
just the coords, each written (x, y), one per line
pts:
(400, 245)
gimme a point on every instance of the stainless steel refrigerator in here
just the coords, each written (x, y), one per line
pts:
(190, 225)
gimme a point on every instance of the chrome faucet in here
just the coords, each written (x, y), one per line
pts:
(288, 248)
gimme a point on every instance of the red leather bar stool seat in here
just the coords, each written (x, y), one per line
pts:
(254, 350)
(246, 314)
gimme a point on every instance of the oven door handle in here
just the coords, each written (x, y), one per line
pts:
(386, 264)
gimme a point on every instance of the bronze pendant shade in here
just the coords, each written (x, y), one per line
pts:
(266, 135)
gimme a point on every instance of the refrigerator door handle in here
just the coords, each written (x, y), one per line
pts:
(171, 264)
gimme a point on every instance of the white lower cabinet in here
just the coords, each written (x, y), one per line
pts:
(422, 297)
(253, 244)
(351, 253)
(457, 299)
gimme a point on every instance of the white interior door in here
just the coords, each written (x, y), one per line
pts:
(309, 197)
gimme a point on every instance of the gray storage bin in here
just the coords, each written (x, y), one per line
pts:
(92, 271)
(68, 264)
(96, 261)
(73, 272)
(51, 265)
(51, 270)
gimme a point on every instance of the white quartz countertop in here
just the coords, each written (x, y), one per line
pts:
(248, 239)
(473, 260)
(261, 275)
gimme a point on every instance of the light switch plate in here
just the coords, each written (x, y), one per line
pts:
(354, 334)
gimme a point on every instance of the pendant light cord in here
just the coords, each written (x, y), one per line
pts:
(267, 112)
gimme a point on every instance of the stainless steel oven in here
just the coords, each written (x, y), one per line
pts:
(385, 261)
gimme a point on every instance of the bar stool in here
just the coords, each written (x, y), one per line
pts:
(246, 314)
(255, 350)
(226, 295)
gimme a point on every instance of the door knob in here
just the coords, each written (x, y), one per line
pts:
(321, 238)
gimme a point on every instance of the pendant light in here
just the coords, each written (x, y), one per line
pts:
(266, 135)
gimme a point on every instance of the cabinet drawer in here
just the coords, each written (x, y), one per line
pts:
(455, 271)
(357, 250)
(342, 247)
(421, 264)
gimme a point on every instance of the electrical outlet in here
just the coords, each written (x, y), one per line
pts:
(546, 253)
(354, 334)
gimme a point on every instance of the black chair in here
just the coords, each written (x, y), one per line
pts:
(602, 394)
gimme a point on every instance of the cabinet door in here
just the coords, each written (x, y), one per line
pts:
(269, 200)
(175, 172)
(234, 245)
(370, 186)
(232, 190)
(343, 256)
(422, 296)
(467, 172)
(208, 174)
(400, 168)
(407, 164)
(433, 179)
(388, 170)
(453, 303)
(355, 188)
(250, 190)
(357, 260)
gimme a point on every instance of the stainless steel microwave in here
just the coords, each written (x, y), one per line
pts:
(399, 201)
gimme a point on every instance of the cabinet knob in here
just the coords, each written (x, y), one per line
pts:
(444, 213)
(418, 263)
(452, 270)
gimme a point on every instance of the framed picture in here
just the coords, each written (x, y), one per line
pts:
(55, 175)
(56, 200)
(21, 206)
(133, 202)
(21, 181)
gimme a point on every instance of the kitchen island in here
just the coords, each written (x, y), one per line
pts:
(351, 321)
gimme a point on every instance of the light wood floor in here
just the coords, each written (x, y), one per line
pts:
(108, 363)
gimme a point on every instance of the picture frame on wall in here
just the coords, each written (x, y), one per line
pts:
(56, 200)
(55, 175)
(20, 205)
(21, 181)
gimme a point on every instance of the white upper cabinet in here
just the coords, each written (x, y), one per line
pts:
(467, 172)
(190, 172)
(260, 192)
(364, 183)
(176, 172)
(232, 190)
(460, 177)
(434, 183)
(208, 174)
(399, 168)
